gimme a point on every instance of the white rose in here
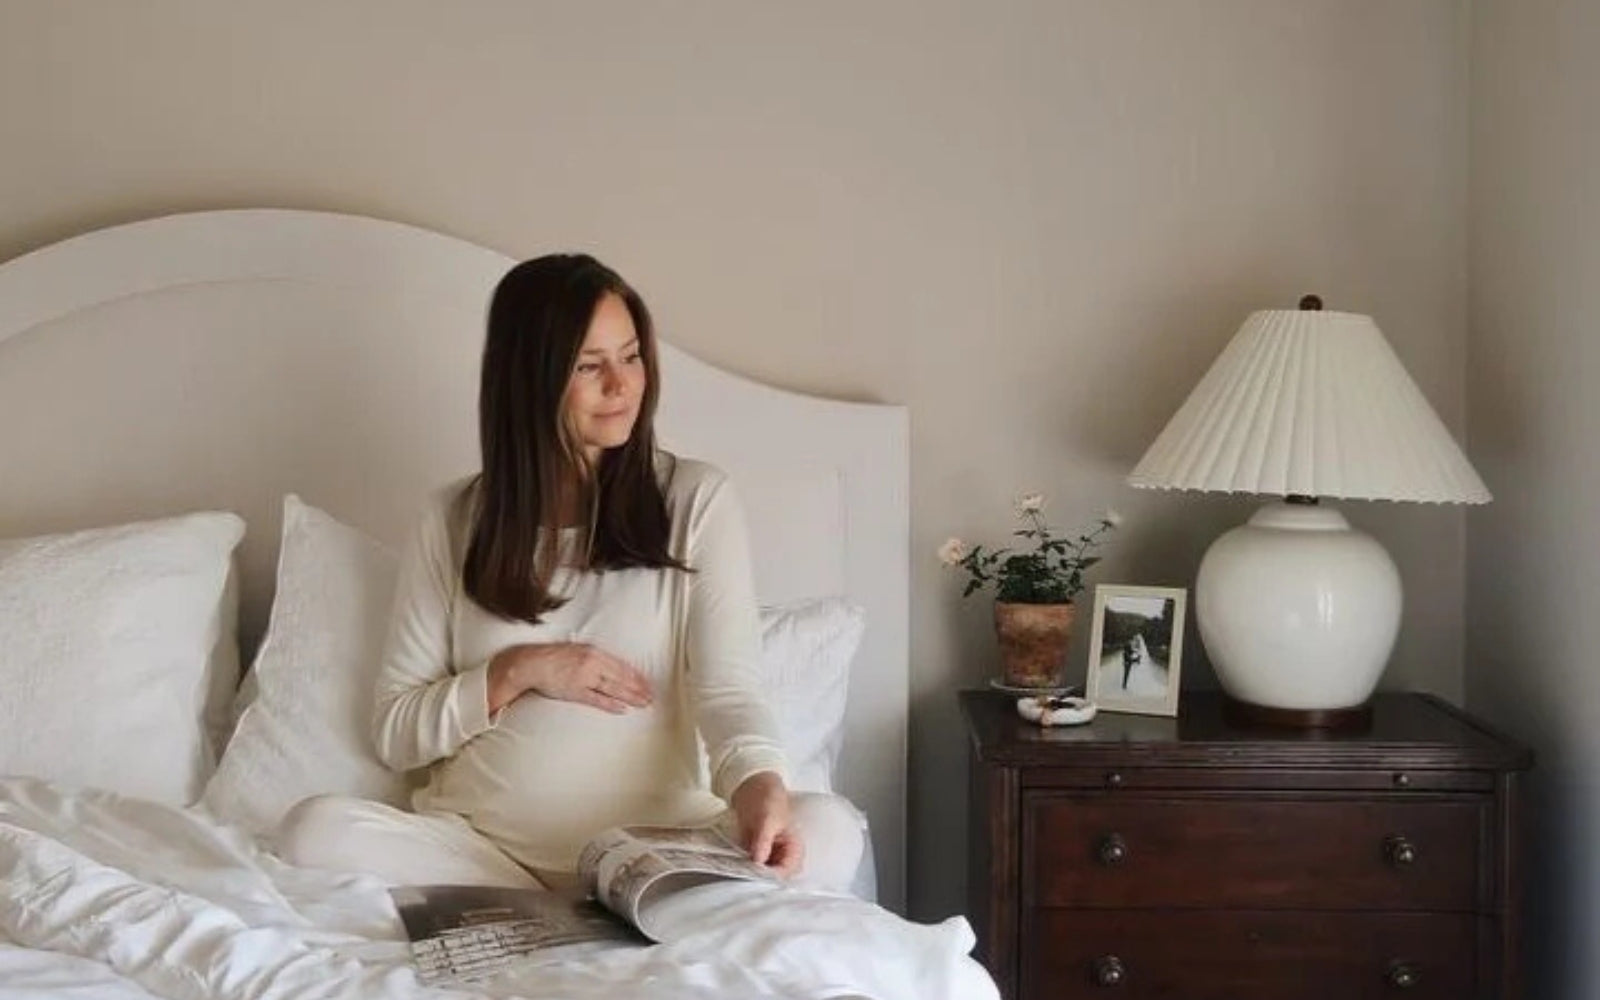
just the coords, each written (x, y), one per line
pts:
(1030, 503)
(952, 551)
(1111, 517)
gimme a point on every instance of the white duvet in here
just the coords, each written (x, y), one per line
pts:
(120, 899)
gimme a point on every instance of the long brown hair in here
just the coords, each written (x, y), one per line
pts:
(533, 467)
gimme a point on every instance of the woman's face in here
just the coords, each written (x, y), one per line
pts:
(607, 381)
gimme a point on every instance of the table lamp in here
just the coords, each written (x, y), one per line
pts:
(1297, 610)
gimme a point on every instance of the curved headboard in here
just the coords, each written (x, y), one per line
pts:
(218, 360)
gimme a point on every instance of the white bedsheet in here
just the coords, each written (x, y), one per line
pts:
(121, 899)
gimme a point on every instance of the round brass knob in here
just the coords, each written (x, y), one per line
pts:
(1403, 975)
(1109, 971)
(1400, 851)
(1112, 850)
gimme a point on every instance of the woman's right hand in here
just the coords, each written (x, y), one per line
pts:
(568, 671)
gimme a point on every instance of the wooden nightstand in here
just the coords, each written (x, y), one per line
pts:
(1179, 858)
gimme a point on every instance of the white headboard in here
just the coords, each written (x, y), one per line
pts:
(218, 360)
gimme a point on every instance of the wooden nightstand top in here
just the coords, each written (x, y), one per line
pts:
(1410, 731)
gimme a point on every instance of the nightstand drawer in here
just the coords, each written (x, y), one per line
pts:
(1253, 851)
(1247, 956)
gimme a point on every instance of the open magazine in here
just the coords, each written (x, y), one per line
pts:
(464, 932)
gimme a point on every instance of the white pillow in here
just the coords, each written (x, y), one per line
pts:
(223, 673)
(806, 650)
(304, 726)
(110, 643)
(304, 730)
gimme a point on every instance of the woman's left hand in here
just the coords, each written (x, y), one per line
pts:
(761, 804)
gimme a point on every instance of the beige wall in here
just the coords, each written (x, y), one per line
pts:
(1533, 608)
(1033, 223)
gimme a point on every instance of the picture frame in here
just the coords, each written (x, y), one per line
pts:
(1136, 649)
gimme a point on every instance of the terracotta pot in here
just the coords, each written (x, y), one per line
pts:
(1033, 641)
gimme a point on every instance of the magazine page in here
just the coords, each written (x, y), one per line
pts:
(627, 867)
(460, 933)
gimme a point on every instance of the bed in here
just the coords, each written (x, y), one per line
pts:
(310, 376)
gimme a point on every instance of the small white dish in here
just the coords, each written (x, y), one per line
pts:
(1056, 711)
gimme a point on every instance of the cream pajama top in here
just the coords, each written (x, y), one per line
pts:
(545, 775)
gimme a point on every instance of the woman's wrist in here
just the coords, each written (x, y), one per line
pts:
(508, 678)
(758, 783)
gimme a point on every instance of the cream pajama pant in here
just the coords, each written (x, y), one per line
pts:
(404, 848)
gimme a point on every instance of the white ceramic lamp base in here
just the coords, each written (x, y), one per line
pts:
(1298, 612)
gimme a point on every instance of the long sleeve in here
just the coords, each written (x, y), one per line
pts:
(723, 646)
(424, 709)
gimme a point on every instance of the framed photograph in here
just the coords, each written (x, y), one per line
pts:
(1136, 649)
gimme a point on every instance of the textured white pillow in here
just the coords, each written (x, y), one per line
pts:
(304, 726)
(108, 641)
(806, 650)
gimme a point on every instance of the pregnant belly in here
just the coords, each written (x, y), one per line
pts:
(551, 774)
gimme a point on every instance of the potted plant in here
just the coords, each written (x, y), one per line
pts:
(1034, 589)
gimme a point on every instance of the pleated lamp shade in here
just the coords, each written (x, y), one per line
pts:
(1310, 403)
